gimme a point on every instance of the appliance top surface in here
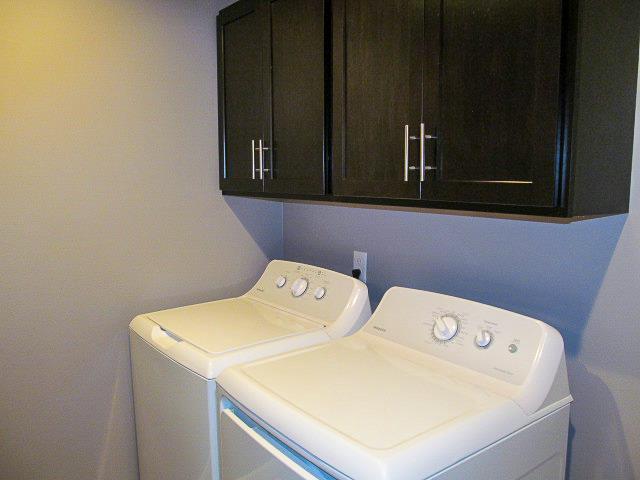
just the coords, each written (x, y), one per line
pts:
(226, 325)
(371, 391)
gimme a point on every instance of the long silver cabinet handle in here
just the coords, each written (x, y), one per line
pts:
(422, 149)
(406, 153)
(253, 159)
(425, 167)
(408, 138)
(260, 159)
(261, 149)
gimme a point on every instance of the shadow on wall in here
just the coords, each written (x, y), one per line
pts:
(603, 441)
(117, 442)
(258, 218)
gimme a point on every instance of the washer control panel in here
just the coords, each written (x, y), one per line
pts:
(487, 339)
(306, 289)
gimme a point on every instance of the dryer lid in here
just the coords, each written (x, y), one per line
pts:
(226, 325)
(369, 392)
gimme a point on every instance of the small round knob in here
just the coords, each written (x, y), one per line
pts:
(320, 293)
(445, 327)
(280, 281)
(299, 287)
(483, 338)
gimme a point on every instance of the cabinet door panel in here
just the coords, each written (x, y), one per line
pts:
(499, 103)
(241, 98)
(296, 160)
(377, 54)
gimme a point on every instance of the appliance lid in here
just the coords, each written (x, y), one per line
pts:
(225, 325)
(369, 393)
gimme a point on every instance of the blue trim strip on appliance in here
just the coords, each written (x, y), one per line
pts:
(292, 455)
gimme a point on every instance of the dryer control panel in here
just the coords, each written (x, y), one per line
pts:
(490, 340)
(308, 290)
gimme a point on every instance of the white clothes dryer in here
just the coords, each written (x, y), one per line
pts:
(433, 387)
(177, 355)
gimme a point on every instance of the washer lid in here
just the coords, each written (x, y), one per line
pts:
(226, 325)
(370, 408)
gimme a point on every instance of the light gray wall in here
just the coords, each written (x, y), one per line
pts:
(109, 207)
(583, 278)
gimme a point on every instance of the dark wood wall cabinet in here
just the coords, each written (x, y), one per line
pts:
(271, 96)
(506, 106)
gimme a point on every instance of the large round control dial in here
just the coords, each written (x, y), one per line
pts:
(299, 287)
(483, 338)
(445, 327)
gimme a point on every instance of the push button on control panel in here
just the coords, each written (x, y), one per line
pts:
(320, 293)
(299, 287)
(281, 281)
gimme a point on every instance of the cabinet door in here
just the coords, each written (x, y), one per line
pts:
(497, 112)
(296, 89)
(377, 90)
(241, 30)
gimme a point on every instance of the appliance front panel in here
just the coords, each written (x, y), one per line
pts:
(249, 452)
(536, 452)
(175, 417)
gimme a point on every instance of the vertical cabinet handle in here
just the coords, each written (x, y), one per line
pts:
(261, 159)
(406, 153)
(422, 159)
(253, 159)
(425, 137)
(407, 138)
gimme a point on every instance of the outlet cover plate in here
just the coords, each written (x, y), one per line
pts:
(360, 262)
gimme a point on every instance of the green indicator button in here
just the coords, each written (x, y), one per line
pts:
(513, 348)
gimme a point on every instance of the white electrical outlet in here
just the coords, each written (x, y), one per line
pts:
(360, 262)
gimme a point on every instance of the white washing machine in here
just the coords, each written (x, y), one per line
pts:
(177, 354)
(433, 387)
